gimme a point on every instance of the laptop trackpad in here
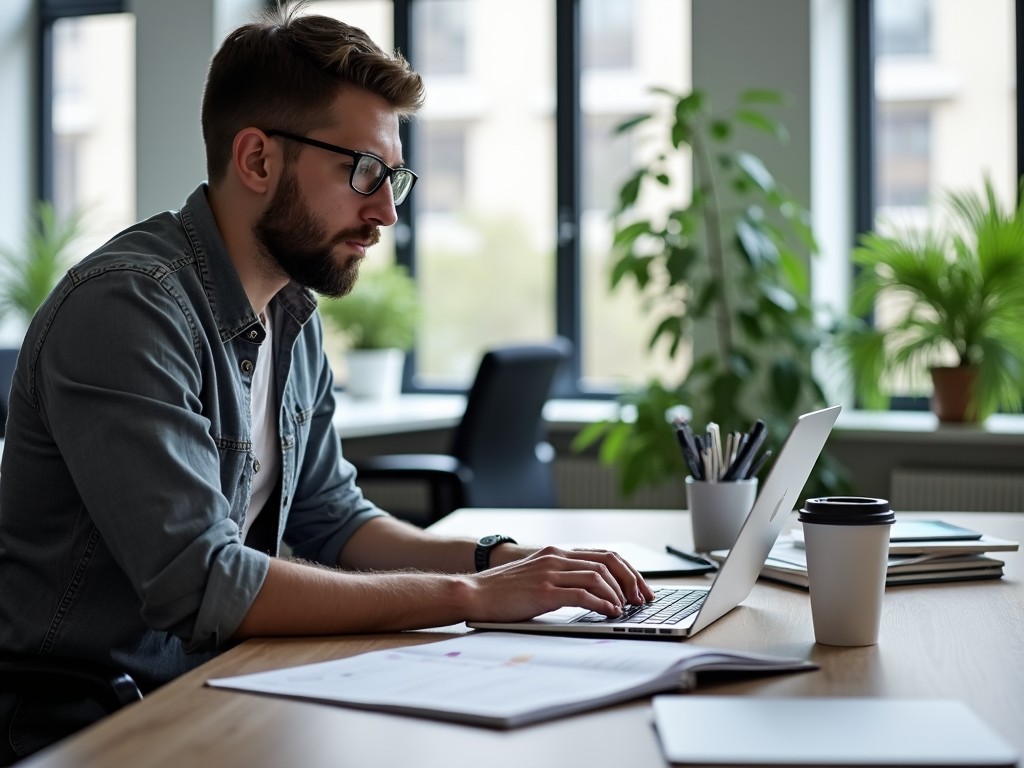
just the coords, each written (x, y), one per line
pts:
(561, 616)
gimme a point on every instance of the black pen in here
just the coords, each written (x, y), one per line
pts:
(759, 464)
(691, 556)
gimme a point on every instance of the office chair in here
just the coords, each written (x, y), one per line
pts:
(498, 457)
(44, 676)
(73, 693)
(8, 359)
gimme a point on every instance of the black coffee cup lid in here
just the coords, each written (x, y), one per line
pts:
(847, 510)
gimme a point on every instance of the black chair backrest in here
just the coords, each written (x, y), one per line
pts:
(8, 359)
(501, 434)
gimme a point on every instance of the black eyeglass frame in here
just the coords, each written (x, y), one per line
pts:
(389, 172)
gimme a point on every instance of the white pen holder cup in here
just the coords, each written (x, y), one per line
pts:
(718, 511)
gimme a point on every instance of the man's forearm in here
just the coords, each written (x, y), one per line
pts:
(302, 599)
(386, 543)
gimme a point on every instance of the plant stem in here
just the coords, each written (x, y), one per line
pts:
(713, 235)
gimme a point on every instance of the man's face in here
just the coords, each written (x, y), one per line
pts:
(316, 228)
(295, 240)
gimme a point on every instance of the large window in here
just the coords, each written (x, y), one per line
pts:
(88, 115)
(945, 107)
(508, 230)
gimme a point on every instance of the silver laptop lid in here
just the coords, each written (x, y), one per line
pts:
(776, 498)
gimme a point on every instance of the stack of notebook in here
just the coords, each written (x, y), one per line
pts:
(920, 551)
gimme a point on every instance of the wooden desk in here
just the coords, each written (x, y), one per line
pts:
(962, 640)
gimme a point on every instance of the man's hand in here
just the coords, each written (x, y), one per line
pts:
(552, 578)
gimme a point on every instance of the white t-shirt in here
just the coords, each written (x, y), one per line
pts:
(263, 411)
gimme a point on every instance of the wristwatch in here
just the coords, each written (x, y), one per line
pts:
(482, 557)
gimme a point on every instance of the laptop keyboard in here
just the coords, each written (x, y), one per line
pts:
(670, 606)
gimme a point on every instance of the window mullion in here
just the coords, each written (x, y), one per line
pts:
(568, 315)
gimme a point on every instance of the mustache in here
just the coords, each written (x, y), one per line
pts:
(368, 234)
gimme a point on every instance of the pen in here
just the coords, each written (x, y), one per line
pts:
(739, 468)
(689, 449)
(759, 464)
(691, 556)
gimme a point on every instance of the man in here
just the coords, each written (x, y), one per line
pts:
(170, 418)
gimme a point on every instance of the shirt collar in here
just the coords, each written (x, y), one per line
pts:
(224, 290)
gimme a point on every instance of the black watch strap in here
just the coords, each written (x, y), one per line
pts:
(482, 556)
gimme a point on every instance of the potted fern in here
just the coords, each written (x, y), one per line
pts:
(959, 290)
(731, 261)
(378, 322)
(28, 273)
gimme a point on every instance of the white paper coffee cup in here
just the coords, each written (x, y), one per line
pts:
(847, 544)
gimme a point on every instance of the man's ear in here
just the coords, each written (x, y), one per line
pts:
(256, 160)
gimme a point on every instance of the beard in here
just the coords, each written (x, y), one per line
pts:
(292, 240)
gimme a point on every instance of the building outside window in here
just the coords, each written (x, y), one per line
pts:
(91, 133)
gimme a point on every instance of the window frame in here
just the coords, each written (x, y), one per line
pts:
(48, 13)
(568, 128)
(865, 115)
(568, 202)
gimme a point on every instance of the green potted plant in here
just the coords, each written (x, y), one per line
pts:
(959, 290)
(730, 261)
(28, 273)
(378, 322)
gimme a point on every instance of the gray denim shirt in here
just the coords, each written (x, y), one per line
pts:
(129, 457)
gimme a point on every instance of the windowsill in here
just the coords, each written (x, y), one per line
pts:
(416, 412)
(923, 426)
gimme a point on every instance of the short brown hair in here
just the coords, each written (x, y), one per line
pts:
(283, 71)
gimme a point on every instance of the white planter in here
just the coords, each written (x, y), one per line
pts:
(374, 374)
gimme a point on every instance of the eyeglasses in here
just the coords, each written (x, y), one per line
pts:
(368, 171)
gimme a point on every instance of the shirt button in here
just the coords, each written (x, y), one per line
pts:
(246, 366)
(253, 334)
(255, 466)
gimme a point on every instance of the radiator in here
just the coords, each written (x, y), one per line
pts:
(585, 483)
(940, 489)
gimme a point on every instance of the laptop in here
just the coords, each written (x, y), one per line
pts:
(680, 612)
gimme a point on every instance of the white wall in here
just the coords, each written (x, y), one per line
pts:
(174, 44)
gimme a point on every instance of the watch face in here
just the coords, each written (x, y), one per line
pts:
(488, 541)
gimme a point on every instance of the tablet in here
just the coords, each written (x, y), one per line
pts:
(931, 530)
(757, 731)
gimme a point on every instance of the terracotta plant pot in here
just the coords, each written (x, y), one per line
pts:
(953, 389)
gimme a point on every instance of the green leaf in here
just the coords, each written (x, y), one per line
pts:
(755, 243)
(754, 169)
(786, 378)
(629, 192)
(720, 129)
(628, 125)
(631, 232)
(679, 264)
(761, 122)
